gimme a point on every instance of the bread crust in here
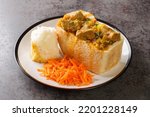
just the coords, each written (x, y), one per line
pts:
(35, 54)
(97, 61)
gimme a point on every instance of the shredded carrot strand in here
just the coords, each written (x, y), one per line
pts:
(66, 71)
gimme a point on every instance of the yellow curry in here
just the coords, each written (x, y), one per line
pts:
(89, 29)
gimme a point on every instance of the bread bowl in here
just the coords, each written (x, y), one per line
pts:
(92, 43)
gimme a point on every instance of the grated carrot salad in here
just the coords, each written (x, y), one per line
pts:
(66, 71)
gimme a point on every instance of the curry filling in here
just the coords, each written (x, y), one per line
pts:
(90, 30)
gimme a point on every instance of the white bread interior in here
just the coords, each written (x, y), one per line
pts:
(44, 44)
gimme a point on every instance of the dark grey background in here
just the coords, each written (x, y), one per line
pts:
(131, 16)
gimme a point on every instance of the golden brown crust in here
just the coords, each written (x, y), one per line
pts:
(97, 61)
(35, 54)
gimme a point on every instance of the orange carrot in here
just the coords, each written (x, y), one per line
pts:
(66, 71)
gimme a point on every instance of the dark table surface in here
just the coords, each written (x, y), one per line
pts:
(130, 16)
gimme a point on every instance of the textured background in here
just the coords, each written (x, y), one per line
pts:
(131, 16)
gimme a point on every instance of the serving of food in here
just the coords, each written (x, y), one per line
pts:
(94, 44)
(74, 51)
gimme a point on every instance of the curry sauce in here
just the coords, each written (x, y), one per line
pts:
(90, 30)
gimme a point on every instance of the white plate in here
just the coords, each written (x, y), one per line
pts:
(22, 54)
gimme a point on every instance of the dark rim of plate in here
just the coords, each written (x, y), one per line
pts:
(83, 88)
